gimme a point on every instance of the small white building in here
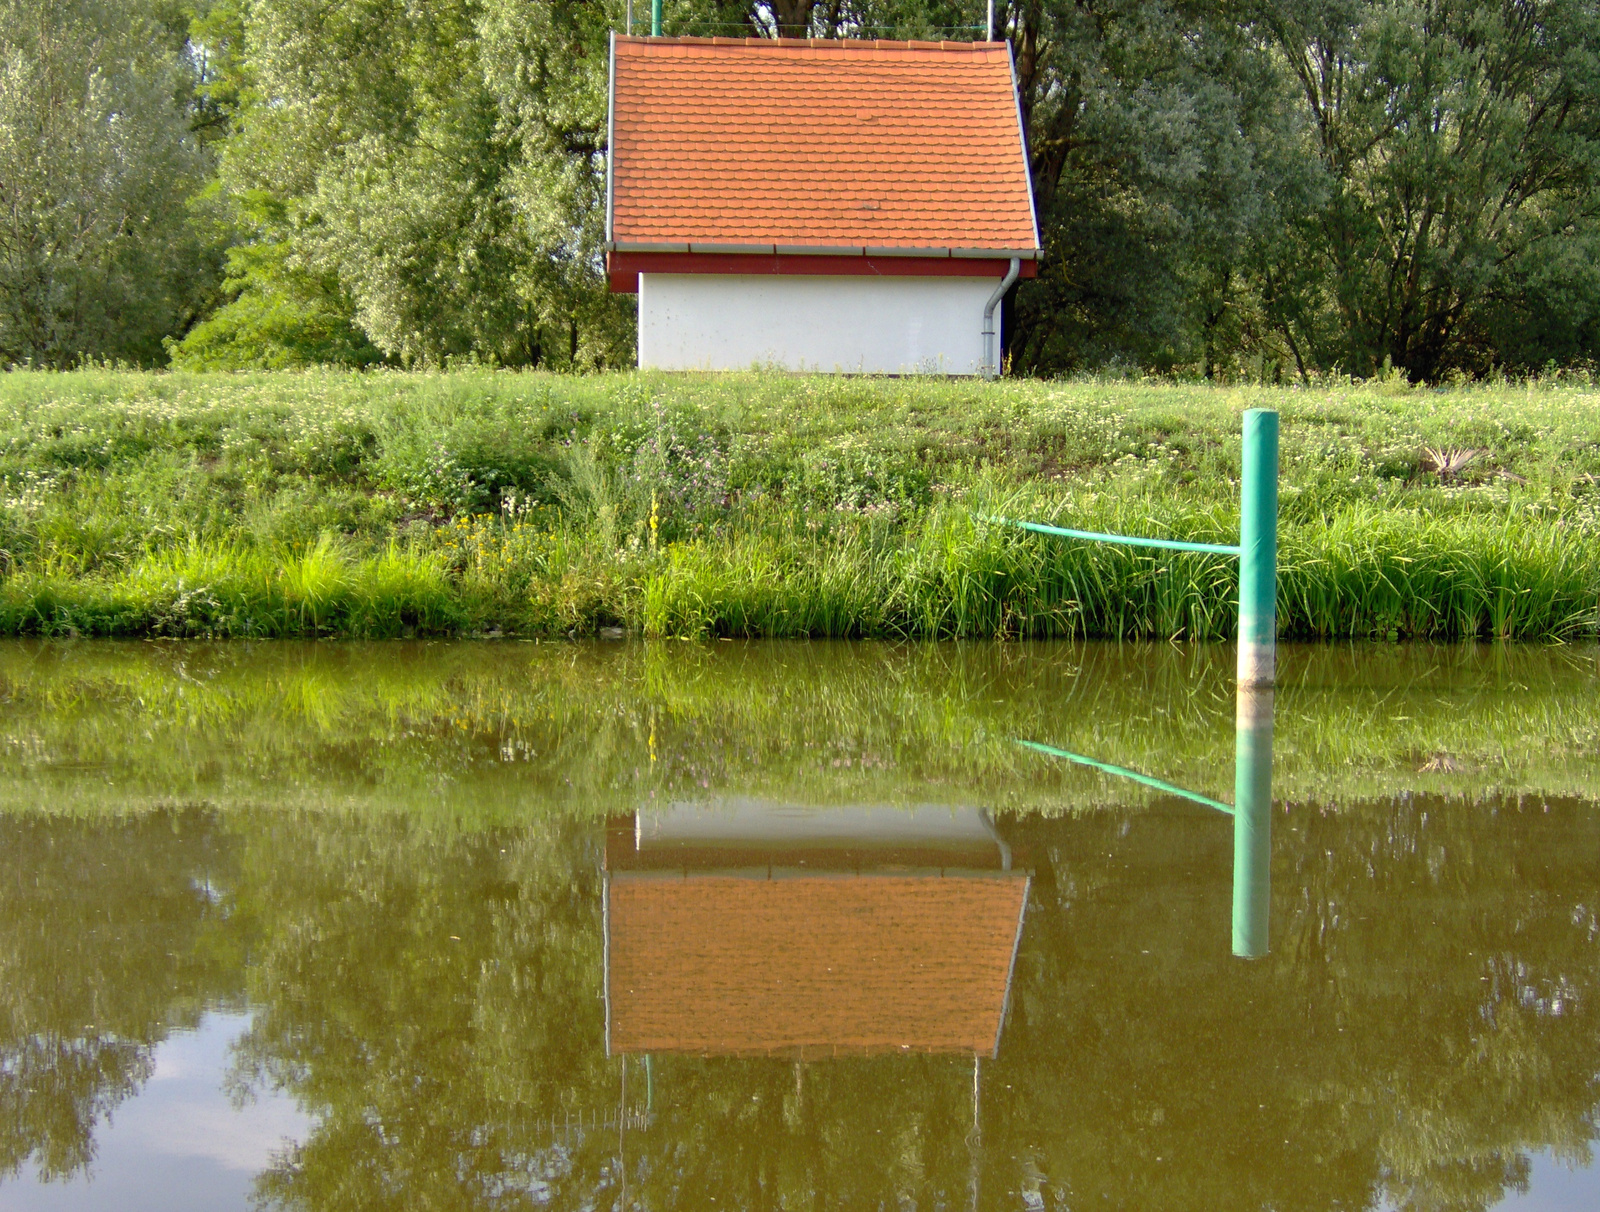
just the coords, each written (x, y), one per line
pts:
(846, 206)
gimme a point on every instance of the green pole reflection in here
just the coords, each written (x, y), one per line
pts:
(1252, 820)
(1251, 812)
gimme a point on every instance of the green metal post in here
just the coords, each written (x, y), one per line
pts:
(1252, 821)
(1258, 549)
(655, 18)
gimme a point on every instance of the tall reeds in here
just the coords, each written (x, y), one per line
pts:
(1364, 574)
(231, 590)
(945, 575)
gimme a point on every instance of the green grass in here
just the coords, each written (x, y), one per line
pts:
(478, 502)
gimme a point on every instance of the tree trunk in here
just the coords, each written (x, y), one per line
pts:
(793, 17)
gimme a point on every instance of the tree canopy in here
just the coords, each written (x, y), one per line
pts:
(1245, 188)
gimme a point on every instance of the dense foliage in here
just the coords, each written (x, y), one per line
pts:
(1260, 189)
(100, 253)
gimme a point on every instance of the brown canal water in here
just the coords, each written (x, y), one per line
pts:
(729, 926)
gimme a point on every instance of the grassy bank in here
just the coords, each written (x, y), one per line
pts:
(480, 502)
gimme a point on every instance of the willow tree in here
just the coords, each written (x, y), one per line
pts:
(1462, 140)
(430, 175)
(98, 162)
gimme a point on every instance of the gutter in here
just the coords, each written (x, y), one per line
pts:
(991, 362)
(820, 250)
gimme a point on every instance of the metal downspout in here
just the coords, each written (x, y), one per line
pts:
(991, 365)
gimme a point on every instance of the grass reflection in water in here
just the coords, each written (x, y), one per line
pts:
(398, 859)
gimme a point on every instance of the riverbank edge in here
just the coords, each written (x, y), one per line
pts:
(1363, 574)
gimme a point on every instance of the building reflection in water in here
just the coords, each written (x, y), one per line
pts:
(743, 928)
(749, 928)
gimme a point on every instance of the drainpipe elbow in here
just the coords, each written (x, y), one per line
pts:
(991, 364)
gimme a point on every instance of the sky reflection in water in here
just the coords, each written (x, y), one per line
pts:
(790, 925)
(181, 1144)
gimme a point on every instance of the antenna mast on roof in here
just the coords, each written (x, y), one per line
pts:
(990, 38)
(655, 18)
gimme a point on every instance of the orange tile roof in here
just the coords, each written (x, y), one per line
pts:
(809, 965)
(891, 145)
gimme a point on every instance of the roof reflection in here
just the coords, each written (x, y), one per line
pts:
(747, 928)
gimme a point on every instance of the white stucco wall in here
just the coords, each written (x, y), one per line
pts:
(860, 324)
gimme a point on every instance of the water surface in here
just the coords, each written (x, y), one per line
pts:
(780, 926)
